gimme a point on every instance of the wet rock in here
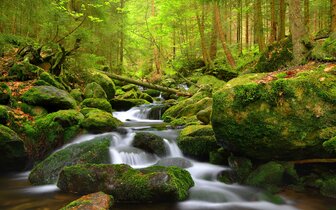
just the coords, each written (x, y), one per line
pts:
(47, 171)
(94, 90)
(281, 119)
(93, 201)
(204, 115)
(175, 161)
(49, 97)
(13, 154)
(98, 121)
(126, 184)
(126, 104)
(150, 143)
(105, 82)
(99, 103)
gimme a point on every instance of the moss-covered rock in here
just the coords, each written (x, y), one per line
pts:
(271, 176)
(98, 121)
(126, 104)
(5, 94)
(132, 94)
(49, 97)
(276, 56)
(105, 82)
(77, 95)
(324, 49)
(183, 121)
(150, 143)
(175, 161)
(204, 116)
(197, 141)
(241, 168)
(12, 150)
(152, 92)
(129, 87)
(219, 157)
(50, 80)
(51, 131)
(208, 81)
(146, 97)
(99, 103)
(328, 187)
(24, 71)
(94, 90)
(47, 171)
(280, 119)
(33, 110)
(127, 184)
(4, 116)
(93, 201)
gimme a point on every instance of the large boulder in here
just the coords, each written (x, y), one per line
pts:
(93, 201)
(50, 80)
(4, 116)
(264, 118)
(98, 121)
(127, 184)
(5, 94)
(94, 90)
(150, 143)
(49, 97)
(12, 150)
(197, 141)
(51, 131)
(105, 82)
(99, 103)
(47, 171)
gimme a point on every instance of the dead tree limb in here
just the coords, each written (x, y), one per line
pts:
(147, 85)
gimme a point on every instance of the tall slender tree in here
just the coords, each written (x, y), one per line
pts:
(333, 15)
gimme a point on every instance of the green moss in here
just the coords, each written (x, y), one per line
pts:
(98, 103)
(241, 167)
(146, 97)
(99, 121)
(33, 110)
(47, 171)
(51, 131)
(207, 80)
(97, 200)
(150, 143)
(25, 71)
(328, 187)
(5, 94)
(77, 95)
(48, 78)
(105, 82)
(183, 121)
(94, 90)
(4, 116)
(153, 93)
(130, 87)
(219, 157)
(330, 145)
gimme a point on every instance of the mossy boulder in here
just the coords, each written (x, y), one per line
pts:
(129, 87)
(126, 104)
(204, 115)
(93, 201)
(219, 157)
(24, 71)
(47, 171)
(50, 80)
(277, 55)
(94, 90)
(150, 143)
(281, 119)
(4, 116)
(328, 187)
(106, 83)
(126, 184)
(209, 82)
(324, 49)
(272, 175)
(51, 131)
(49, 97)
(77, 94)
(33, 110)
(146, 97)
(5, 94)
(197, 141)
(132, 94)
(175, 161)
(152, 92)
(98, 121)
(12, 150)
(99, 103)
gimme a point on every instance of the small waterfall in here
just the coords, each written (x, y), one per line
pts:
(137, 114)
(134, 157)
(172, 149)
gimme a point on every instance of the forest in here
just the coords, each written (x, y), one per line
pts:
(157, 105)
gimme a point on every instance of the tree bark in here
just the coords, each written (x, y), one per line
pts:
(247, 34)
(273, 36)
(307, 15)
(214, 37)
(201, 27)
(122, 35)
(221, 34)
(259, 28)
(282, 20)
(147, 85)
(298, 32)
(333, 15)
(156, 53)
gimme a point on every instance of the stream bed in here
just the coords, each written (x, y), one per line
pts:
(16, 193)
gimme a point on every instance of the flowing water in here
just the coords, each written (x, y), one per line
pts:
(208, 193)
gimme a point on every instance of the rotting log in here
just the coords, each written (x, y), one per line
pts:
(147, 85)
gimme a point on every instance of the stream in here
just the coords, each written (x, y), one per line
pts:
(17, 194)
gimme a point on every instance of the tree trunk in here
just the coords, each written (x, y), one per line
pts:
(147, 85)
(214, 37)
(273, 36)
(239, 25)
(259, 28)
(201, 27)
(247, 34)
(298, 32)
(122, 36)
(306, 15)
(227, 52)
(156, 53)
(282, 26)
(333, 15)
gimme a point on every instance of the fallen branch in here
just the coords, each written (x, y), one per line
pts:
(147, 85)
(308, 161)
(8, 78)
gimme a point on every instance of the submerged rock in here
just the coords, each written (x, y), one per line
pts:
(93, 201)
(51, 131)
(279, 119)
(126, 184)
(47, 171)
(197, 141)
(175, 161)
(150, 143)
(12, 150)
(98, 121)
(49, 97)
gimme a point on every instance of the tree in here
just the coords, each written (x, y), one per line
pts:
(282, 20)
(298, 32)
(258, 25)
(333, 15)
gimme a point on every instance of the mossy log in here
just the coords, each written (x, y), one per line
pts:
(310, 161)
(147, 85)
